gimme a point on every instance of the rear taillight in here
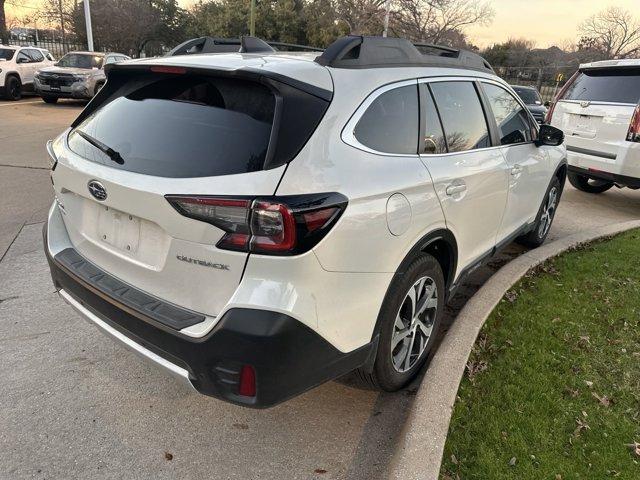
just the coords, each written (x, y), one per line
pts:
(274, 226)
(633, 135)
(559, 96)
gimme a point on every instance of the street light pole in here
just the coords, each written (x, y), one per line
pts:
(87, 20)
(386, 18)
(252, 19)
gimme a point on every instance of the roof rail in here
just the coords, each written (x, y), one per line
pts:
(355, 51)
(245, 44)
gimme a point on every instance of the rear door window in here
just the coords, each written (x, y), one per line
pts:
(434, 141)
(463, 120)
(511, 117)
(391, 123)
(606, 85)
(36, 56)
(194, 126)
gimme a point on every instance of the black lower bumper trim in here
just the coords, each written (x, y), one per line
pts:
(622, 180)
(288, 357)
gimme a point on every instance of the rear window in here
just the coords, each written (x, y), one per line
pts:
(607, 85)
(194, 126)
(528, 96)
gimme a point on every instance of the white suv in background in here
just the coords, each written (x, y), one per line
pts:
(18, 66)
(261, 222)
(599, 112)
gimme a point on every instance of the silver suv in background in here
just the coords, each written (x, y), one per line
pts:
(76, 75)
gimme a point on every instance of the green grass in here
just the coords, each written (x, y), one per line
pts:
(554, 378)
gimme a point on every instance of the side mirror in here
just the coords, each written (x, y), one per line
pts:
(547, 104)
(21, 60)
(549, 135)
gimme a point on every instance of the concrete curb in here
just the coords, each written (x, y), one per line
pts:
(421, 444)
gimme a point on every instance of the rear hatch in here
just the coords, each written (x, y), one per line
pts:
(154, 132)
(595, 110)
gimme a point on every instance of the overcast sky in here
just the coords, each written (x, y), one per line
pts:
(547, 22)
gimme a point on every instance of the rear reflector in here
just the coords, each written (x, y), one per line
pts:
(273, 226)
(633, 135)
(247, 386)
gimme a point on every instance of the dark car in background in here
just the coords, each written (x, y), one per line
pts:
(532, 100)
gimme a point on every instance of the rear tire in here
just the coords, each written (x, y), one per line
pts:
(407, 334)
(589, 185)
(13, 88)
(49, 99)
(544, 219)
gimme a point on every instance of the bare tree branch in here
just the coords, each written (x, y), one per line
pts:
(613, 31)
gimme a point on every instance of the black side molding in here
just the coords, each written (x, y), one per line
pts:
(595, 153)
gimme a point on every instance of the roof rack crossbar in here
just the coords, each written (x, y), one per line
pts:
(370, 52)
(244, 44)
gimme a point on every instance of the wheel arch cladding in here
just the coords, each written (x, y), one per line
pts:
(440, 244)
(561, 172)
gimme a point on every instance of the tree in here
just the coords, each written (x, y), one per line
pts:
(4, 33)
(438, 21)
(128, 26)
(614, 32)
(362, 17)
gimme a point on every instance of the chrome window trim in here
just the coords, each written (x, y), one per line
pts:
(348, 132)
(598, 102)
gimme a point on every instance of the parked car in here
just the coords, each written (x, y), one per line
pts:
(531, 98)
(18, 66)
(260, 223)
(599, 112)
(76, 75)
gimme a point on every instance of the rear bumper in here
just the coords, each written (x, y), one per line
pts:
(621, 180)
(620, 159)
(287, 356)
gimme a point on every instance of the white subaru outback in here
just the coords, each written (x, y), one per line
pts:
(599, 112)
(261, 222)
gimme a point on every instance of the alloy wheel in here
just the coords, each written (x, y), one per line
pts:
(414, 323)
(548, 211)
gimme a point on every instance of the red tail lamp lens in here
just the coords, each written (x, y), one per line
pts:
(319, 218)
(247, 381)
(273, 227)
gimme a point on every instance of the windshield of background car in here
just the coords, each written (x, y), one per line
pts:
(616, 85)
(7, 53)
(79, 60)
(529, 97)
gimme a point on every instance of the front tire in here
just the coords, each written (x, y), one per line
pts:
(589, 185)
(544, 219)
(13, 88)
(49, 99)
(409, 322)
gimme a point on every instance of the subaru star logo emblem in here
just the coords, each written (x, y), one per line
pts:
(585, 104)
(97, 190)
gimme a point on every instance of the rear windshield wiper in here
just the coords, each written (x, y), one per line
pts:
(110, 152)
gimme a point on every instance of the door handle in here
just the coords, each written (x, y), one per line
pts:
(516, 170)
(453, 189)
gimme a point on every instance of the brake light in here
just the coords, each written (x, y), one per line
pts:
(272, 226)
(169, 69)
(633, 135)
(559, 96)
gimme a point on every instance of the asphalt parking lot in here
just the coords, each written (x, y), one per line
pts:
(75, 405)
